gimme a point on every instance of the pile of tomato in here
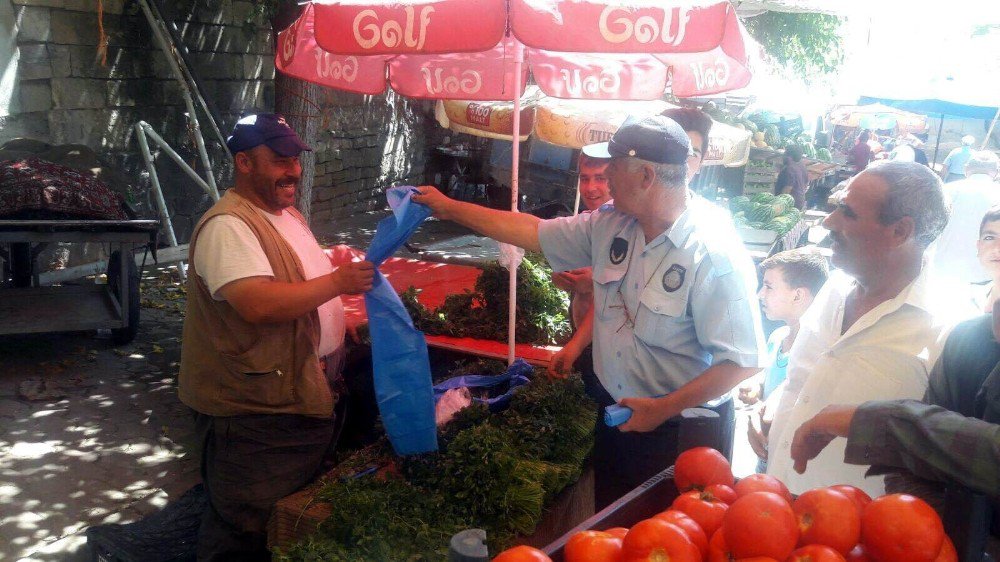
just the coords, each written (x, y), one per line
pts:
(715, 519)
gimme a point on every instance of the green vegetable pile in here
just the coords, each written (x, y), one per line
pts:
(494, 471)
(482, 313)
(765, 211)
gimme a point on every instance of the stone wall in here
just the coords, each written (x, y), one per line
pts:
(63, 94)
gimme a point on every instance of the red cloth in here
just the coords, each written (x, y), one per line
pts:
(36, 185)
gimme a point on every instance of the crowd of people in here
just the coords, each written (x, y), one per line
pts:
(882, 349)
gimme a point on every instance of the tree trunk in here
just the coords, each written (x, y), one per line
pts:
(298, 101)
(295, 99)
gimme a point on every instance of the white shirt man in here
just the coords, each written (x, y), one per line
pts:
(229, 251)
(886, 354)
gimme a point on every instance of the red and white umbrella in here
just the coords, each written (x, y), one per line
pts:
(485, 50)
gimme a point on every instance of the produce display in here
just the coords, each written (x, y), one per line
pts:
(765, 211)
(494, 471)
(541, 308)
(761, 522)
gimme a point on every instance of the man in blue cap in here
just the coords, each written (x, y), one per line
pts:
(676, 320)
(263, 342)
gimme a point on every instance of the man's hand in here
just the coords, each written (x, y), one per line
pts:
(815, 434)
(647, 414)
(758, 428)
(562, 362)
(353, 278)
(439, 203)
(750, 391)
(575, 280)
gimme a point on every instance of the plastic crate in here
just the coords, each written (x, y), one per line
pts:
(169, 535)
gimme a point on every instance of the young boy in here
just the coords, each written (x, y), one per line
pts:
(791, 281)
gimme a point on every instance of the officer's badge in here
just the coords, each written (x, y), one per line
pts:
(673, 278)
(619, 250)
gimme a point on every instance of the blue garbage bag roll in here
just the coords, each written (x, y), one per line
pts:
(517, 374)
(402, 371)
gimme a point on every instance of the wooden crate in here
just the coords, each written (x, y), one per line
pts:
(297, 515)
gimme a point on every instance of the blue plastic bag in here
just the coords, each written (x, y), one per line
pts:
(516, 374)
(402, 370)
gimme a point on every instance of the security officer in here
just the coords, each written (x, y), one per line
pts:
(676, 323)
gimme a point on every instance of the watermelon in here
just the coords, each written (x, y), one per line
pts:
(824, 154)
(780, 206)
(739, 203)
(808, 150)
(760, 213)
(750, 125)
(764, 198)
(771, 135)
(788, 199)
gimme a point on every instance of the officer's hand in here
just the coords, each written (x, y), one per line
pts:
(576, 280)
(562, 362)
(439, 203)
(757, 431)
(647, 414)
(815, 434)
(353, 278)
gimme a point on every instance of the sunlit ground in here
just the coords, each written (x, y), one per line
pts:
(89, 433)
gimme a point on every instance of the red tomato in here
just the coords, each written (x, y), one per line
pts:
(857, 495)
(762, 483)
(619, 532)
(858, 554)
(901, 528)
(689, 526)
(706, 510)
(757, 559)
(593, 546)
(815, 553)
(761, 524)
(522, 553)
(701, 467)
(652, 540)
(718, 550)
(828, 517)
(948, 552)
(723, 492)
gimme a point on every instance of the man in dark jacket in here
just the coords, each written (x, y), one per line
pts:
(793, 177)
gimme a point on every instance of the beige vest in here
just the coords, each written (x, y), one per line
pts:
(231, 367)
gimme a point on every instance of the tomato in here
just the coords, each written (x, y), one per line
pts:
(761, 524)
(858, 554)
(593, 546)
(701, 467)
(757, 559)
(762, 483)
(860, 498)
(815, 553)
(689, 526)
(619, 532)
(948, 552)
(718, 550)
(901, 528)
(652, 540)
(706, 510)
(723, 492)
(522, 553)
(827, 517)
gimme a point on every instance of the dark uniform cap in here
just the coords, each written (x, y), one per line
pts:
(265, 128)
(654, 139)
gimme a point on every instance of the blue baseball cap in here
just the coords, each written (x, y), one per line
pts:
(268, 129)
(655, 139)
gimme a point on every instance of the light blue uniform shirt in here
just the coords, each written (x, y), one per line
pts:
(665, 311)
(957, 159)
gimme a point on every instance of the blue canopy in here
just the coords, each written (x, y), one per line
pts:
(934, 107)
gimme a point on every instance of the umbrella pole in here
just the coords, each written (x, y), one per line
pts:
(937, 142)
(576, 205)
(989, 133)
(516, 157)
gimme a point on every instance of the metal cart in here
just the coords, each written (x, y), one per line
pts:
(26, 307)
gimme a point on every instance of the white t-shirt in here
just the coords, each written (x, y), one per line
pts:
(228, 250)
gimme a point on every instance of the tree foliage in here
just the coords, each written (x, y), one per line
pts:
(808, 44)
